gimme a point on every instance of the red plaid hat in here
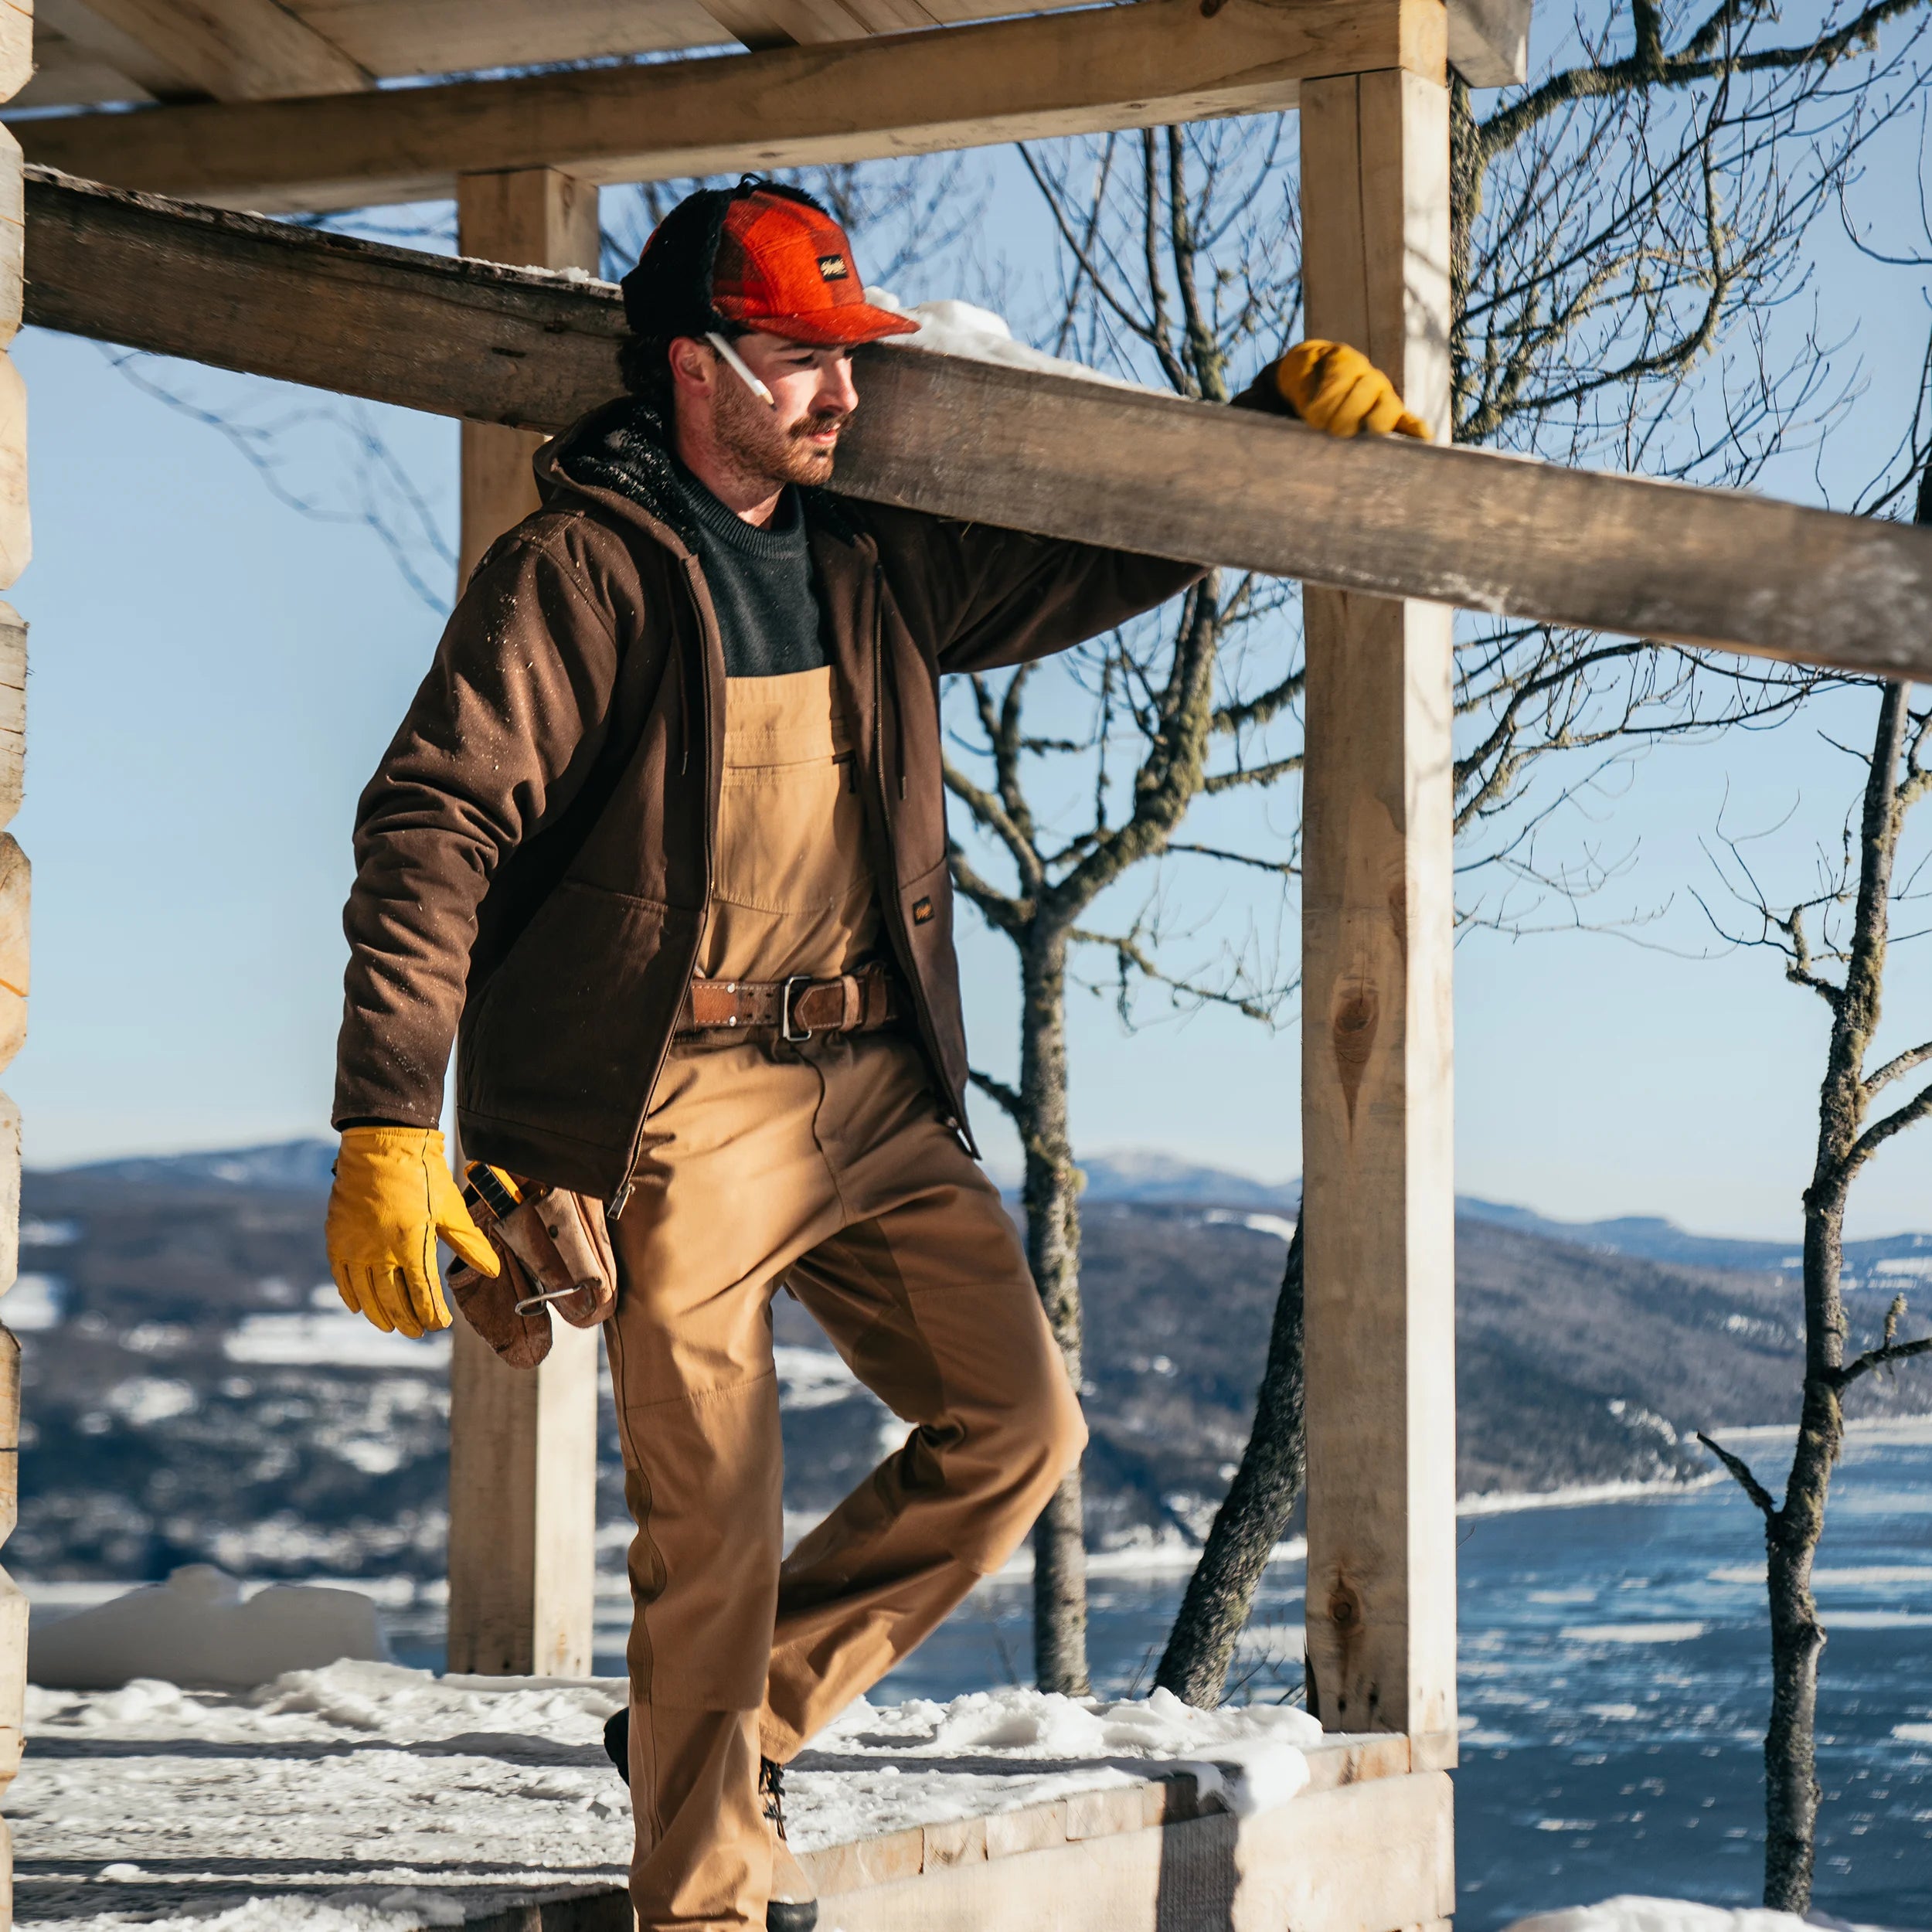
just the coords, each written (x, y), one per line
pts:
(785, 267)
(762, 255)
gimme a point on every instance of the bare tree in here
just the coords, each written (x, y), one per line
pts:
(1836, 943)
(1625, 232)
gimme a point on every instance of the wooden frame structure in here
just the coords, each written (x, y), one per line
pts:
(275, 104)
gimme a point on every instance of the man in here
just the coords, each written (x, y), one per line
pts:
(664, 828)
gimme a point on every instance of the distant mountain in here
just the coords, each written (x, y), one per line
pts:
(1152, 1179)
(299, 1166)
(195, 1391)
(1149, 1179)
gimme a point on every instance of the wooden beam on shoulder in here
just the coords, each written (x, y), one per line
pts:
(1044, 74)
(229, 49)
(1051, 454)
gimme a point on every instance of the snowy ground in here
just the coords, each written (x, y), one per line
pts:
(366, 1797)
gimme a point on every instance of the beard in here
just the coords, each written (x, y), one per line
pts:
(763, 449)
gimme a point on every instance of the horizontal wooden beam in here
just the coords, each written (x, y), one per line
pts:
(238, 50)
(996, 444)
(1043, 74)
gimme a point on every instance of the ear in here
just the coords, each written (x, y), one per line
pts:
(694, 365)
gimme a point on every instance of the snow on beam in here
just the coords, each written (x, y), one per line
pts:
(1014, 447)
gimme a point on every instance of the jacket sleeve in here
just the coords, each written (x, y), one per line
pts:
(982, 597)
(497, 741)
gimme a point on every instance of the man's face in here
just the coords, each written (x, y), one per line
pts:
(795, 442)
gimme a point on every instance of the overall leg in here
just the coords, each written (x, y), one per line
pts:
(927, 1295)
(732, 1187)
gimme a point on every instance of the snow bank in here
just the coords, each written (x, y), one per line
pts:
(1250, 1756)
(1637, 1914)
(196, 1629)
(365, 1797)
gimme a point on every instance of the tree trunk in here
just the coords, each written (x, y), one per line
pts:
(1052, 1197)
(1792, 1531)
(1250, 1521)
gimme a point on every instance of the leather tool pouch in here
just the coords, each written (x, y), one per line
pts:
(556, 1252)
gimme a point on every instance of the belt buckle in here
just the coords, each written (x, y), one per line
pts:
(786, 1029)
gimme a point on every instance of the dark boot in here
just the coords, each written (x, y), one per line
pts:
(616, 1741)
(795, 1905)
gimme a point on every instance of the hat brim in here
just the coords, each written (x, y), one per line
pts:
(846, 326)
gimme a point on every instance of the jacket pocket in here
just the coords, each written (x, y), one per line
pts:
(563, 1038)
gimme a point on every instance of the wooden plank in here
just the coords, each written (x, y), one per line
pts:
(13, 711)
(534, 218)
(522, 1507)
(1366, 1857)
(1377, 936)
(1034, 452)
(1125, 67)
(16, 888)
(523, 1443)
(757, 24)
(231, 49)
(16, 529)
(16, 47)
(9, 1458)
(9, 1199)
(1489, 41)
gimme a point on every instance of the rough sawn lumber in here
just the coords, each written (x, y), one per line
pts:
(1049, 453)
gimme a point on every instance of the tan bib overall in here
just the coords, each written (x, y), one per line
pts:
(826, 1167)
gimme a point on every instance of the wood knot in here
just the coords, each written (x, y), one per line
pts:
(1344, 1607)
(1210, 8)
(1352, 1033)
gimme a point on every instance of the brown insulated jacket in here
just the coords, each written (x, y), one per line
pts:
(532, 856)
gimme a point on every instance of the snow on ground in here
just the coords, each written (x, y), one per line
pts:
(196, 1629)
(367, 1797)
(1637, 1914)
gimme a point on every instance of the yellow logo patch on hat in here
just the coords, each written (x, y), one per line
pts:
(833, 268)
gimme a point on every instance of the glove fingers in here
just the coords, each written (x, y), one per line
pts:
(1409, 423)
(344, 1286)
(468, 1242)
(1357, 406)
(368, 1288)
(1384, 412)
(423, 1288)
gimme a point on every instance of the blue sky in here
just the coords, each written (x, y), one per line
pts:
(215, 675)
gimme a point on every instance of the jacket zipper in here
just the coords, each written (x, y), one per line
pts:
(614, 1207)
(956, 1114)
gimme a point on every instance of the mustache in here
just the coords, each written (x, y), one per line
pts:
(816, 425)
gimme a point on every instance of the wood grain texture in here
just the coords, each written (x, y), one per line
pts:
(1489, 41)
(1377, 935)
(16, 889)
(9, 1198)
(522, 1507)
(9, 1454)
(233, 50)
(13, 711)
(532, 217)
(16, 47)
(1034, 452)
(13, 1669)
(523, 1450)
(1033, 77)
(16, 526)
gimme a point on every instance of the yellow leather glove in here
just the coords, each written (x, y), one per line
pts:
(394, 1195)
(1335, 388)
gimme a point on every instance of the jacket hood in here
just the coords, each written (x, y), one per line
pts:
(618, 457)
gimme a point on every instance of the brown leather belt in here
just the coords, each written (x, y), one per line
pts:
(797, 1007)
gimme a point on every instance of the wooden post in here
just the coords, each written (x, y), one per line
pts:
(1376, 1116)
(523, 1446)
(16, 65)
